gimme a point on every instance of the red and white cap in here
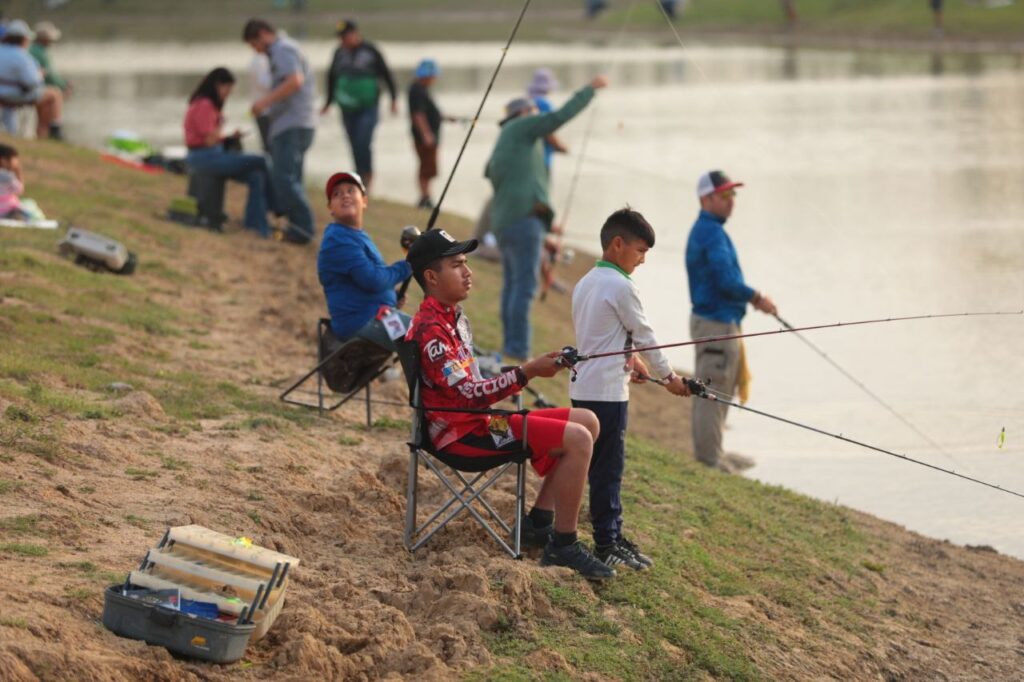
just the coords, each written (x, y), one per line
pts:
(715, 181)
(338, 178)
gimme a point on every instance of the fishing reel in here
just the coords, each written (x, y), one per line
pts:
(569, 358)
(697, 387)
(410, 233)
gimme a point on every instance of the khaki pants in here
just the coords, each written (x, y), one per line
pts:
(719, 362)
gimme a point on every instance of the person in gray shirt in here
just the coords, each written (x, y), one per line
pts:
(291, 108)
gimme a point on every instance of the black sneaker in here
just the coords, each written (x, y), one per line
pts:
(617, 555)
(635, 551)
(532, 536)
(578, 558)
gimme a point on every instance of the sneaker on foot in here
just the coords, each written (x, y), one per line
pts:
(630, 547)
(616, 555)
(578, 558)
(426, 203)
(737, 461)
(534, 536)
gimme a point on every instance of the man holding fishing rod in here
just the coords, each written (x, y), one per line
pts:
(720, 297)
(521, 211)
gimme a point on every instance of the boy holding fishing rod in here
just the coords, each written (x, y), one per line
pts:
(608, 316)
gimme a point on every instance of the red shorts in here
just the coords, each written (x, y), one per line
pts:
(545, 431)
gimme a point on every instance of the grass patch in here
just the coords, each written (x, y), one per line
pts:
(9, 486)
(390, 423)
(137, 474)
(254, 516)
(349, 441)
(23, 549)
(79, 593)
(13, 622)
(22, 525)
(173, 463)
(137, 521)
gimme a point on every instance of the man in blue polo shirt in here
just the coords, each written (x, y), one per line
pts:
(720, 297)
(358, 284)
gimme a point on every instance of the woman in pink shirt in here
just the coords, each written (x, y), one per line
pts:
(207, 153)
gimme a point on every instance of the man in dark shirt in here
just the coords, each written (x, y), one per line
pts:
(426, 127)
(353, 82)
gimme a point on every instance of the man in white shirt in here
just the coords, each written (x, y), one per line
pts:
(608, 316)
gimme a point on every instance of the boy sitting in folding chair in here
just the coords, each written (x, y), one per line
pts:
(560, 440)
(358, 284)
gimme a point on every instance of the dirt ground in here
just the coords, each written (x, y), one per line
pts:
(360, 607)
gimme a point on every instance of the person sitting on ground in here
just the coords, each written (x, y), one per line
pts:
(208, 147)
(21, 84)
(11, 185)
(560, 440)
(358, 285)
(46, 35)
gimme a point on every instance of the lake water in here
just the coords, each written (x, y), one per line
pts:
(877, 185)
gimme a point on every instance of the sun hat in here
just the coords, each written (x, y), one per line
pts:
(542, 83)
(48, 31)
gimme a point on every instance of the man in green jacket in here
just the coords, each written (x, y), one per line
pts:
(521, 210)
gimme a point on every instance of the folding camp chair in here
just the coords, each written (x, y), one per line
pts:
(346, 368)
(465, 491)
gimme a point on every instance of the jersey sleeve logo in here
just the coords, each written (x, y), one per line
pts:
(436, 349)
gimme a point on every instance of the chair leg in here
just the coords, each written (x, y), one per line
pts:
(517, 532)
(369, 406)
(410, 499)
(465, 503)
(319, 364)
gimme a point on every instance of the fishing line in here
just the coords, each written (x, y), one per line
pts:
(591, 116)
(700, 390)
(469, 133)
(867, 390)
(571, 355)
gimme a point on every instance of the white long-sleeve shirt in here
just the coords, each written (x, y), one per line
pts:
(605, 309)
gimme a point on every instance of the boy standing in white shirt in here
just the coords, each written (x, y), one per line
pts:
(608, 316)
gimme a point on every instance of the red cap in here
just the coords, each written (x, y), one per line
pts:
(338, 178)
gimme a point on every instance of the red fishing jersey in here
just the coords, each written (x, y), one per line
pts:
(449, 374)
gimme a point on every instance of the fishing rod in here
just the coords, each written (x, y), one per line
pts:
(913, 427)
(570, 355)
(469, 133)
(700, 389)
(591, 116)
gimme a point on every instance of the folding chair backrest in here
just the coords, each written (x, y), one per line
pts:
(358, 363)
(409, 356)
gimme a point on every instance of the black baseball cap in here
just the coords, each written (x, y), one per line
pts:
(434, 244)
(345, 26)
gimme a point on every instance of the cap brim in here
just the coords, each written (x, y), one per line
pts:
(458, 248)
(727, 186)
(339, 178)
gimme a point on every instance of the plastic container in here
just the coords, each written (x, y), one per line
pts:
(183, 633)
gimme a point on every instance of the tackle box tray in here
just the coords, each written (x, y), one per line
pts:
(209, 640)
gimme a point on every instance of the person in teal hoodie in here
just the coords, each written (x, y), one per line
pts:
(521, 211)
